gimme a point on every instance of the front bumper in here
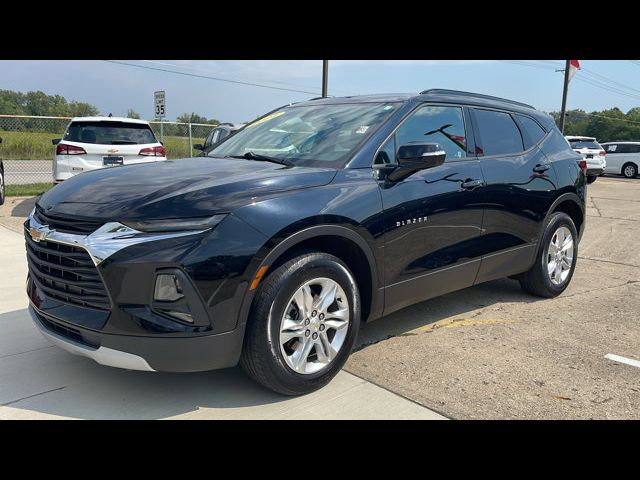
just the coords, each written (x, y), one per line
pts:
(174, 354)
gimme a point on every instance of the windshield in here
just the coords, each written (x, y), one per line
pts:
(579, 144)
(318, 135)
(110, 133)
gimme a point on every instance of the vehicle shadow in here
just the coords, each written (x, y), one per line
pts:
(456, 305)
(24, 207)
(42, 378)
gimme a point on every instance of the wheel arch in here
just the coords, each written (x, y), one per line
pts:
(571, 204)
(340, 241)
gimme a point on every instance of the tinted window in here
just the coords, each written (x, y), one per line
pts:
(531, 131)
(578, 144)
(613, 148)
(110, 133)
(387, 154)
(499, 133)
(633, 148)
(442, 125)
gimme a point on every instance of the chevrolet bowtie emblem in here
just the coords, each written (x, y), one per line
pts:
(38, 235)
(113, 150)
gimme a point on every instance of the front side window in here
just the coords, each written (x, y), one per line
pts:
(499, 134)
(110, 133)
(313, 135)
(434, 124)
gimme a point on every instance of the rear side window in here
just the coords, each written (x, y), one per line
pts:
(532, 133)
(110, 133)
(633, 148)
(613, 148)
(498, 132)
(578, 144)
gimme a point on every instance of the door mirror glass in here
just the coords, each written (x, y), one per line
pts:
(56, 141)
(198, 146)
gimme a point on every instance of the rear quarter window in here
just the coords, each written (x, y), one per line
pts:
(532, 133)
(110, 133)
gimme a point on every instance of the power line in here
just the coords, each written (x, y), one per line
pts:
(188, 67)
(239, 82)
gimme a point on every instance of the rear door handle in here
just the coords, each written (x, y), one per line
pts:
(542, 167)
(471, 184)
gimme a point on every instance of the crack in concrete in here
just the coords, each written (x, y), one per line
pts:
(26, 351)
(599, 289)
(609, 261)
(593, 203)
(616, 199)
(31, 396)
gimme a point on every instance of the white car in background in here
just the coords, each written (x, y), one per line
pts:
(97, 142)
(624, 158)
(592, 152)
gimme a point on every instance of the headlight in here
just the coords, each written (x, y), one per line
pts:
(176, 224)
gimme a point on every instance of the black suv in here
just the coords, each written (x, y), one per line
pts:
(311, 219)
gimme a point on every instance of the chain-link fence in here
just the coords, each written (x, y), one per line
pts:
(27, 152)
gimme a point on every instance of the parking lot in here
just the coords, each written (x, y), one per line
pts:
(486, 352)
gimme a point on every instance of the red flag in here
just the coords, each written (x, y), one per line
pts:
(574, 66)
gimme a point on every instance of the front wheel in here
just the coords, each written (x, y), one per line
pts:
(555, 260)
(303, 324)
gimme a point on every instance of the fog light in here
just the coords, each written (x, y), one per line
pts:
(168, 288)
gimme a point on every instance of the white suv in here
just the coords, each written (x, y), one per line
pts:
(624, 158)
(97, 142)
(592, 152)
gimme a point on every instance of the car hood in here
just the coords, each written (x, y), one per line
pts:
(176, 188)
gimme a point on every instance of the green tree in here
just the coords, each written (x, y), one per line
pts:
(131, 113)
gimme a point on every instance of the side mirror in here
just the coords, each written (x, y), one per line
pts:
(198, 146)
(56, 141)
(416, 156)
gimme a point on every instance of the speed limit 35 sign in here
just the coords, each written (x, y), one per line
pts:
(159, 105)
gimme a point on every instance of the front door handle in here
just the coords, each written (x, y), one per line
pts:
(471, 184)
(542, 167)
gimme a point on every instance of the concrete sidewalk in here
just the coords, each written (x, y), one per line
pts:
(39, 381)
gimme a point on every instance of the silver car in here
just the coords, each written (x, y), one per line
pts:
(623, 158)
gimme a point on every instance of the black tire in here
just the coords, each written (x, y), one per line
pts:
(536, 281)
(630, 172)
(591, 178)
(1, 187)
(261, 356)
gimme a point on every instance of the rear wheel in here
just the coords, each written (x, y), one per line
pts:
(629, 170)
(555, 260)
(591, 178)
(303, 324)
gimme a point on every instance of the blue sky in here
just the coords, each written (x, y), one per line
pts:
(114, 87)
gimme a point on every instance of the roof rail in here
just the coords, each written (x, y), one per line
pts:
(444, 91)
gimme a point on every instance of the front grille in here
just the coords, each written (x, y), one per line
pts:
(66, 273)
(66, 225)
(65, 331)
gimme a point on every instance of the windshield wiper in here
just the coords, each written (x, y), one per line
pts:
(263, 158)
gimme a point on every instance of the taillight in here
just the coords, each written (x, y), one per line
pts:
(583, 165)
(153, 152)
(64, 149)
(602, 153)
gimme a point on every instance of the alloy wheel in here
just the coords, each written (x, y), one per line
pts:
(560, 255)
(314, 325)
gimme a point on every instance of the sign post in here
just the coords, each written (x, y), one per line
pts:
(160, 110)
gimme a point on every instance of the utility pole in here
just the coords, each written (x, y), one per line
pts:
(325, 77)
(564, 96)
